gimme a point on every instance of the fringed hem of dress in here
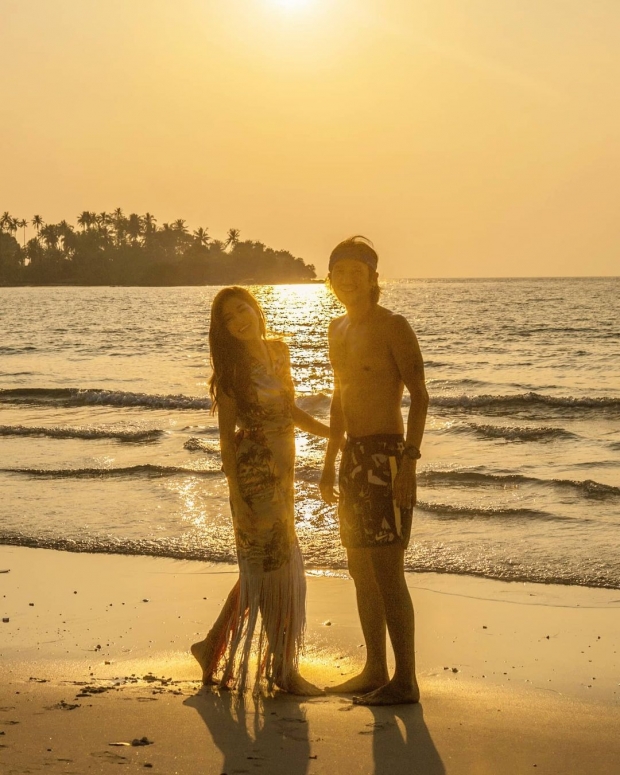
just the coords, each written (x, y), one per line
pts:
(268, 622)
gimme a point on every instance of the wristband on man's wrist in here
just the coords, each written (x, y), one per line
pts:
(412, 452)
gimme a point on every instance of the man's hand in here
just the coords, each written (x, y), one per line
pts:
(327, 485)
(405, 487)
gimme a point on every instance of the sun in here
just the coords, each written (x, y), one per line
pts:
(291, 5)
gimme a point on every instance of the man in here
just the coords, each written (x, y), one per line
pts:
(374, 354)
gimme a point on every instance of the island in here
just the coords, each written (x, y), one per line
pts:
(118, 249)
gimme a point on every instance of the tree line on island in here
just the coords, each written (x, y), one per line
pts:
(118, 249)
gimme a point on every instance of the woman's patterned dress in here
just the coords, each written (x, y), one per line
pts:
(272, 585)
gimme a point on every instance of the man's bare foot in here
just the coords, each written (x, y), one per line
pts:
(362, 684)
(204, 653)
(298, 685)
(390, 694)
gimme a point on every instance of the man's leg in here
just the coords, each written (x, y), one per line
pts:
(388, 566)
(372, 618)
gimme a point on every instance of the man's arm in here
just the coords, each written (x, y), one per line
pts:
(327, 484)
(336, 428)
(406, 353)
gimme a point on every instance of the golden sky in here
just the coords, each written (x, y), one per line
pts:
(476, 138)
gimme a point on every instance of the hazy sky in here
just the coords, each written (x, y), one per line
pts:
(477, 138)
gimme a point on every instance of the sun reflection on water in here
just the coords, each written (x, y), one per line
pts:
(301, 314)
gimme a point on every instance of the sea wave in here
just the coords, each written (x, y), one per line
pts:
(447, 511)
(146, 469)
(587, 488)
(195, 444)
(436, 364)
(86, 397)
(85, 432)
(419, 558)
(305, 472)
(317, 402)
(169, 546)
(454, 384)
(314, 402)
(455, 478)
(209, 430)
(518, 402)
(515, 433)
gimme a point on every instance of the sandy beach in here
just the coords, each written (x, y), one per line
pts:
(515, 678)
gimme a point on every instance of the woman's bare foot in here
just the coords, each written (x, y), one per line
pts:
(298, 685)
(363, 683)
(390, 694)
(204, 653)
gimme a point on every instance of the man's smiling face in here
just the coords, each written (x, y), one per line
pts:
(352, 281)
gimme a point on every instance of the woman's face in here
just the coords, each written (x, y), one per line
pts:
(240, 319)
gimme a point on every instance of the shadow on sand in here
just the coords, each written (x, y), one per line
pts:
(272, 735)
(255, 731)
(401, 743)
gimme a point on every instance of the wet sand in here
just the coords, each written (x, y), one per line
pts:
(515, 677)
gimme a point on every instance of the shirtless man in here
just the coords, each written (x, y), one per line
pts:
(374, 354)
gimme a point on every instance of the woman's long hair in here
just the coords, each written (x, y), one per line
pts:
(229, 358)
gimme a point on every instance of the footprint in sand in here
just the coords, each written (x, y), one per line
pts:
(377, 726)
(109, 756)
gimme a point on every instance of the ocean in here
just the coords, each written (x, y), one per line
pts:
(107, 443)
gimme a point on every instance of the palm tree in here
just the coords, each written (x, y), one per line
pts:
(102, 219)
(201, 236)
(120, 224)
(68, 241)
(103, 233)
(6, 221)
(22, 223)
(50, 235)
(37, 222)
(85, 219)
(232, 238)
(65, 230)
(149, 223)
(179, 225)
(134, 227)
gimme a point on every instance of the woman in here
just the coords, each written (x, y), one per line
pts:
(251, 387)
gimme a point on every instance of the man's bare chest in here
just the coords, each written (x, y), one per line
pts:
(360, 353)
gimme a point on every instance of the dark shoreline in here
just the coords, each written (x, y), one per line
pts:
(247, 282)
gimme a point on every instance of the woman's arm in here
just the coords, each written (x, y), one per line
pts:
(306, 422)
(227, 420)
(302, 420)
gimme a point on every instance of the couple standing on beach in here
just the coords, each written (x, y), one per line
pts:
(374, 354)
